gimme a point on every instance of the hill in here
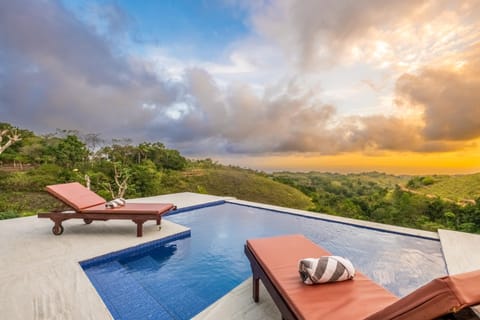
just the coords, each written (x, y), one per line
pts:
(336, 179)
(457, 188)
(240, 183)
(410, 201)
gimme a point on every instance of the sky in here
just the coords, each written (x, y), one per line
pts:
(298, 85)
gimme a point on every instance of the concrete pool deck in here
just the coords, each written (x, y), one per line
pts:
(40, 277)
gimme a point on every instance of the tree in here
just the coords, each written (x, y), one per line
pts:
(120, 151)
(70, 151)
(162, 157)
(172, 159)
(120, 179)
(93, 141)
(145, 180)
(11, 135)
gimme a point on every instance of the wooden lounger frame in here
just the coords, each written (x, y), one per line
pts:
(138, 218)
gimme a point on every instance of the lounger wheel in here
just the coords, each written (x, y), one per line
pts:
(87, 221)
(57, 230)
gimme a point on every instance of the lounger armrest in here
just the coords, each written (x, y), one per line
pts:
(441, 298)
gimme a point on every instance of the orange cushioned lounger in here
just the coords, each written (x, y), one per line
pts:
(275, 261)
(89, 206)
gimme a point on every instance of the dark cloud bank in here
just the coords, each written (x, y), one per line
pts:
(57, 72)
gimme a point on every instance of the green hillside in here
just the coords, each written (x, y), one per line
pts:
(327, 181)
(410, 201)
(458, 188)
(240, 183)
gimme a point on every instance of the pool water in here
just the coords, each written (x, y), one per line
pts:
(180, 278)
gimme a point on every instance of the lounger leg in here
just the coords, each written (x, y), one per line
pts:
(256, 285)
(139, 227)
(159, 220)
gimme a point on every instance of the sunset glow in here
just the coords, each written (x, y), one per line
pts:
(396, 163)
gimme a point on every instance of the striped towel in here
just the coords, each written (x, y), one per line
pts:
(119, 202)
(325, 269)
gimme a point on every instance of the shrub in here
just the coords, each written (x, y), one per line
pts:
(8, 215)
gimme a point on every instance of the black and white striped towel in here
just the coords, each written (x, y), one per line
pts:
(119, 202)
(325, 269)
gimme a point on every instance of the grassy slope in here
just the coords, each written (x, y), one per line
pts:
(385, 180)
(243, 184)
(18, 195)
(456, 188)
(13, 204)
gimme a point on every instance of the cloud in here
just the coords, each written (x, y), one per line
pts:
(319, 34)
(238, 120)
(448, 95)
(57, 72)
(43, 35)
(115, 20)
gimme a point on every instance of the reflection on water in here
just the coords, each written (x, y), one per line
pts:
(400, 263)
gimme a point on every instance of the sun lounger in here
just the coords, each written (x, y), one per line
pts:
(89, 206)
(275, 261)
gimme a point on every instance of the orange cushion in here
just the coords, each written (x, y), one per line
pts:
(75, 195)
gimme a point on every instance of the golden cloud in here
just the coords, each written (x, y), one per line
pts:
(448, 95)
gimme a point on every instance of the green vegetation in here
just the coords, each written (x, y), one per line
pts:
(419, 182)
(241, 183)
(121, 169)
(457, 188)
(383, 198)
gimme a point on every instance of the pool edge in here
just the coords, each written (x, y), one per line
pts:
(133, 250)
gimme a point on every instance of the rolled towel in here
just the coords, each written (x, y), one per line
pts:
(325, 269)
(119, 202)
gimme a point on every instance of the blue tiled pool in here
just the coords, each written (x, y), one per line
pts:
(178, 277)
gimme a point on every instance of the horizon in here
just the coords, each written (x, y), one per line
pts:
(280, 85)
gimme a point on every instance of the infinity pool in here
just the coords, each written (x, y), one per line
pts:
(178, 278)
